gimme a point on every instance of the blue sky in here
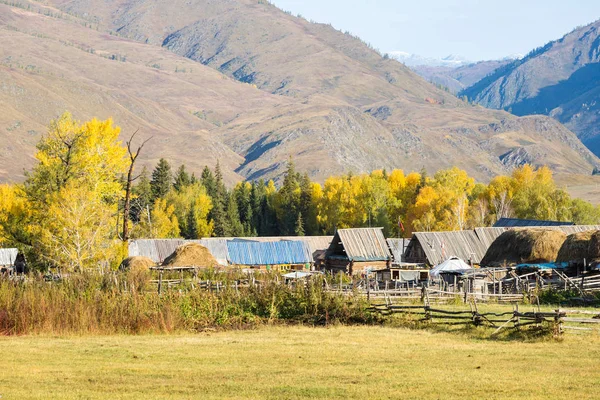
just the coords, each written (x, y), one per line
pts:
(477, 30)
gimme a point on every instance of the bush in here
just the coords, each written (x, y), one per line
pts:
(126, 303)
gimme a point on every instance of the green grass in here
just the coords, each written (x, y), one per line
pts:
(297, 363)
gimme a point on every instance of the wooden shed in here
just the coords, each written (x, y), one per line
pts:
(353, 251)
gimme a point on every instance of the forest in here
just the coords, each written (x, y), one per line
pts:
(84, 199)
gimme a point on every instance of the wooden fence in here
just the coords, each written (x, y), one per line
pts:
(556, 321)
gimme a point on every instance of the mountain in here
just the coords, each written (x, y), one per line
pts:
(458, 78)
(415, 60)
(245, 83)
(560, 79)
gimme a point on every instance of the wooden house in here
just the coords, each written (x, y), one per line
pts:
(354, 251)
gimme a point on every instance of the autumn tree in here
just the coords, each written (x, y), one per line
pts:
(78, 171)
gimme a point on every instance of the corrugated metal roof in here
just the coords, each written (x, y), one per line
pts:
(516, 222)
(159, 249)
(361, 244)
(283, 252)
(397, 246)
(8, 256)
(439, 246)
(156, 249)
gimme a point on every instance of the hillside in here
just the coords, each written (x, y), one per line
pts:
(460, 77)
(560, 79)
(247, 84)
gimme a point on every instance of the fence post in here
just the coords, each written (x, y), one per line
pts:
(160, 277)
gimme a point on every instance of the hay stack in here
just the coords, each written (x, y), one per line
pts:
(533, 245)
(136, 264)
(191, 255)
(578, 246)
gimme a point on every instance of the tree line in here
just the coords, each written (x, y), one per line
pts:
(82, 201)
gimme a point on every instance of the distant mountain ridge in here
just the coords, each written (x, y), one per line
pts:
(560, 79)
(242, 82)
(415, 60)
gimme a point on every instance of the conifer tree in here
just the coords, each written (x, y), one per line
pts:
(182, 179)
(142, 201)
(161, 179)
(299, 231)
(208, 181)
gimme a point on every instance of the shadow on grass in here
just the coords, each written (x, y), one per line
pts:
(534, 333)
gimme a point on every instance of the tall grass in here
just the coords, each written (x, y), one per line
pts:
(128, 304)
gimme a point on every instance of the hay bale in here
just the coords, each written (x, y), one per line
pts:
(595, 247)
(531, 245)
(191, 255)
(578, 246)
(136, 264)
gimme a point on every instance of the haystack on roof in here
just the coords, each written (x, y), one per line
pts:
(526, 245)
(137, 263)
(580, 246)
(191, 255)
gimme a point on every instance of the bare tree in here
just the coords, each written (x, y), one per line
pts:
(133, 156)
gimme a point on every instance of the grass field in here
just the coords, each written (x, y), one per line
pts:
(297, 363)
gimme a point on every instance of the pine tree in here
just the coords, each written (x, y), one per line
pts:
(161, 179)
(208, 181)
(182, 179)
(236, 228)
(220, 197)
(192, 225)
(142, 202)
(289, 199)
(299, 231)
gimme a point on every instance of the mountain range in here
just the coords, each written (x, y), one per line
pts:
(247, 84)
(560, 79)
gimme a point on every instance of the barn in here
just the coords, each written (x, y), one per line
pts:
(353, 251)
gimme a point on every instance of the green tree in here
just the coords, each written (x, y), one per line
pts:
(182, 179)
(299, 230)
(162, 179)
(142, 197)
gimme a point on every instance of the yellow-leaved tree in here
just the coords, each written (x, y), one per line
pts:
(191, 206)
(15, 216)
(74, 191)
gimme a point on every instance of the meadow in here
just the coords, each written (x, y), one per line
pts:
(296, 362)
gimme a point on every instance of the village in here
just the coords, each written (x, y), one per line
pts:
(501, 263)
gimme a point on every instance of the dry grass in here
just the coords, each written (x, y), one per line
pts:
(298, 363)
(137, 264)
(191, 255)
(525, 246)
(577, 247)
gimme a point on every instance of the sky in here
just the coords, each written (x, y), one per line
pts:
(476, 30)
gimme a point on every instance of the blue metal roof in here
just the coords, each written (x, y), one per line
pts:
(244, 252)
(515, 223)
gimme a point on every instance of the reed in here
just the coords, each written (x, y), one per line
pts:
(126, 303)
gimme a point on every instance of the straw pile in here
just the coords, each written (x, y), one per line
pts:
(517, 246)
(191, 255)
(580, 246)
(136, 264)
